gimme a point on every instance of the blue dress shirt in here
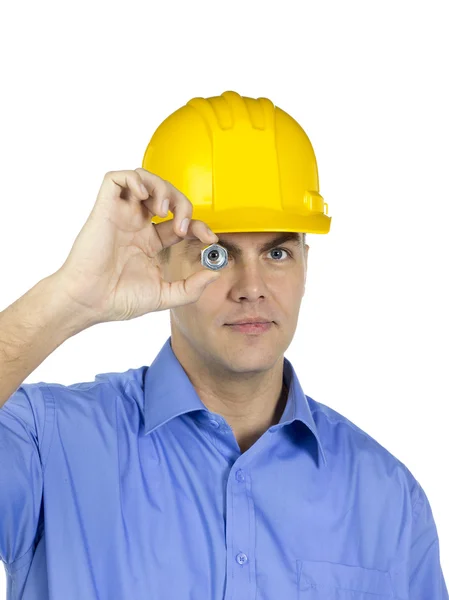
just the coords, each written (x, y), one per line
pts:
(129, 488)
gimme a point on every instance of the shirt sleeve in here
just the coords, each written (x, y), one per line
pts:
(22, 424)
(426, 579)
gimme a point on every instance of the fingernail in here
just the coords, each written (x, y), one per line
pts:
(184, 225)
(165, 207)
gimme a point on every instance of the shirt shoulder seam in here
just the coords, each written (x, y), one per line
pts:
(418, 502)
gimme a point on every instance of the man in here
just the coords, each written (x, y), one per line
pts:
(208, 474)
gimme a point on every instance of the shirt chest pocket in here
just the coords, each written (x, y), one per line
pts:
(322, 580)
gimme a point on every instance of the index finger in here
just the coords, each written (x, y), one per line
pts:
(178, 203)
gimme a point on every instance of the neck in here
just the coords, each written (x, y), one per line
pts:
(250, 402)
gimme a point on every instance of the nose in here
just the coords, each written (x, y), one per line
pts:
(249, 282)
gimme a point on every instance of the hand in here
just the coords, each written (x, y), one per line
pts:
(112, 271)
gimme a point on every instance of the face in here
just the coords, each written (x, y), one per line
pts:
(269, 284)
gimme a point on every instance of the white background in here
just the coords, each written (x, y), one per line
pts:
(84, 86)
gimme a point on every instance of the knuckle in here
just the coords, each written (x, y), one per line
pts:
(157, 190)
(136, 177)
(180, 196)
(144, 172)
(141, 170)
(162, 186)
(158, 186)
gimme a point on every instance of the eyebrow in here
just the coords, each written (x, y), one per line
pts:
(290, 236)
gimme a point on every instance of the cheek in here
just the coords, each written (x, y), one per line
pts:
(212, 297)
(210, 306)
(288, 293)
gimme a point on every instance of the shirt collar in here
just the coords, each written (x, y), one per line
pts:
(166, 376)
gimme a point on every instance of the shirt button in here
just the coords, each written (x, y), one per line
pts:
(240, 475)
(241, 558)
(214, 423)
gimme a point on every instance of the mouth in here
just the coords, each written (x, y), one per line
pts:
(250, 327)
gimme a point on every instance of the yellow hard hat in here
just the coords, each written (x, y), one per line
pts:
(244, 164)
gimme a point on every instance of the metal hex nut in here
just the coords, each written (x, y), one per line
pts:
(214, 257)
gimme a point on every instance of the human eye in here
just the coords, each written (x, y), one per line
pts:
(283, 249)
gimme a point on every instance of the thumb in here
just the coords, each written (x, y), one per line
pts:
(198, 282)
(189, 290)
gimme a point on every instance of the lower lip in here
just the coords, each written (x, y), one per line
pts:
(251, 327)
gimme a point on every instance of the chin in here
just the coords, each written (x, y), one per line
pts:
(254, 366)
(256, 358)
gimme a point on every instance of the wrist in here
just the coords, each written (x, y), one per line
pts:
(71, 317)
